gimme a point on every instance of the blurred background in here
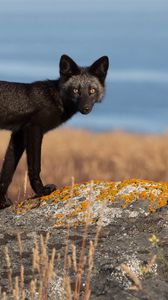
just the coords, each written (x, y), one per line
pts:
(134, 34)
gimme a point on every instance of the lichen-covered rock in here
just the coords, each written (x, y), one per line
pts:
(131, 258)
(74, 204)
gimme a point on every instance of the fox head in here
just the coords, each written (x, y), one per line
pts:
(84, 86)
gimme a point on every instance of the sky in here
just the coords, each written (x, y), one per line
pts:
(133, 33)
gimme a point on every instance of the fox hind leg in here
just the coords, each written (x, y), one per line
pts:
(13, 154)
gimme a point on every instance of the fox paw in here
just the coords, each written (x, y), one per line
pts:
(45, 190)
(49, 188)
(4, 201)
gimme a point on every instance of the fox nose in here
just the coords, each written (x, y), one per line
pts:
(86, 109)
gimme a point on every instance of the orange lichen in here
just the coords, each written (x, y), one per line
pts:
(77, 199)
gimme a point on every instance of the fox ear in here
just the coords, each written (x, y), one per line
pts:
(67, 66)
(99, 68)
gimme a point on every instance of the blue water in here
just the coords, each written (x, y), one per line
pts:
(134, 34)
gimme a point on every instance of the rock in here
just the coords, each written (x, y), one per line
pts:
(127, 222)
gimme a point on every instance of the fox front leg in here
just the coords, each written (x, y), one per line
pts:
(13, 154)
(34, 136)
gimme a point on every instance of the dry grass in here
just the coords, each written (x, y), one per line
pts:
(43, 266)
(86, 155)
(42, 271)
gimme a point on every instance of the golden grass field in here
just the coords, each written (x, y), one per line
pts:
(86, 155)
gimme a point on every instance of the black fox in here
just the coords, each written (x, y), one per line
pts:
(30, 110)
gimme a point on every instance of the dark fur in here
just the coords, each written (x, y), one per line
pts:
(30, 110)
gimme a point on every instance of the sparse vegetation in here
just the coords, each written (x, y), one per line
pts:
(80, 262)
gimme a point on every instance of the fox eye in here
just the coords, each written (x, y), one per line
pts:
(76, 91)
(92, 91)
